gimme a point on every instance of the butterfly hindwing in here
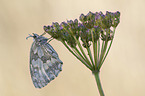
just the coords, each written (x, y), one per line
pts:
(45, 64)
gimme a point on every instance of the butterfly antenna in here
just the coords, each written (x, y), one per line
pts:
(29, 36)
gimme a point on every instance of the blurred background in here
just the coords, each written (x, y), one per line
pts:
(122, 74)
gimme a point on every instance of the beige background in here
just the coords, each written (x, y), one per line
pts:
(123, 73)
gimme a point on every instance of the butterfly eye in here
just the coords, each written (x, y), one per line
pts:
(34, 36)
(40, 41)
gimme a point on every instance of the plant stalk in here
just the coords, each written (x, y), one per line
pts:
(96, 74)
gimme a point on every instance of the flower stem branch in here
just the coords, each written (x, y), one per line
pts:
(94, 50)
(78, 52)
(82, 51)
(86, 64)
(102, 54)
(98, 50)
(107, 49)
(90, 55)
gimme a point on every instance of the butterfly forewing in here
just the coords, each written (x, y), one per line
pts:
(45, 64)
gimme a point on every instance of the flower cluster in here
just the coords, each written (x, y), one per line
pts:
(92, 27)
(96, 29)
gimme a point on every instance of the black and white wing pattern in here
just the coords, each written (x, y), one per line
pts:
(45, 64)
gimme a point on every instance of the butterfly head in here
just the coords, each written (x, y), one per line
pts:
(39, 39)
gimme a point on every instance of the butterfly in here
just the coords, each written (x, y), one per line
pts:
(45, 64)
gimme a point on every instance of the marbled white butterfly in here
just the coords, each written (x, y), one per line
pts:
(45, 64)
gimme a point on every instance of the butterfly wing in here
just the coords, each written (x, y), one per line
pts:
(45, 64)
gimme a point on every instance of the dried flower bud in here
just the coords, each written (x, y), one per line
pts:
(46, 28)
(64, 25)
(56, 26)
(107, 35)
(89, 16)
(76, 23)
(82, 18)
(70, 22)
(96, 32)
(116, 19)
(86, 37)
(71, 42)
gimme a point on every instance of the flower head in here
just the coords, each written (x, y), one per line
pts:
(96, 24)
(89, 30)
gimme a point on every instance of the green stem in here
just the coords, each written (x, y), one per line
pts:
(86, 64)
(98, 50)
(79, 45)
(106, 53)
(108, 49)
(96, 74)
(78, 52)
(81, 49)
(95, 53)
(94, 50)
(103, 53)
(90, 55)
